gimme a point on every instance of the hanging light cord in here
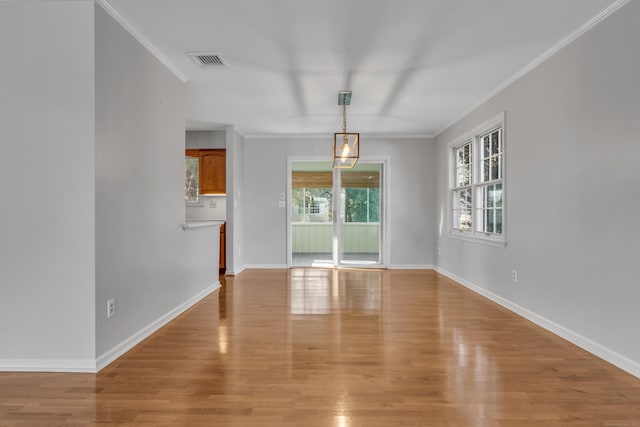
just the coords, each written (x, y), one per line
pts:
(344, 118)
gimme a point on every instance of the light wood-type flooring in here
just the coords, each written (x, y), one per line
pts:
(312, 347)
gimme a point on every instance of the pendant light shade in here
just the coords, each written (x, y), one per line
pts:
(346, 145)
(346, 149)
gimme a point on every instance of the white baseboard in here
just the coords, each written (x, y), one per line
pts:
(266, 267)
(48, 365)
(410, 267)
(126, 345)
(230, 272)
(391, 267)
(592, 347)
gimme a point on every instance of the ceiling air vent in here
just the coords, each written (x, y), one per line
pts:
(207, 59)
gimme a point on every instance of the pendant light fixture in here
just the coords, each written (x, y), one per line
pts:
(346, 146)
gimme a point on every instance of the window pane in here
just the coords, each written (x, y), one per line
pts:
(374, 204)
(191, 167)
(489, 196)
(462, 199)
(494, 167)
(311, 204)
(461, 216)
(464, 176)
(495, 142)
(485, 169)
(465, 220)
(490, 220)
(461, 220)
(459, 199)
(499, 221)
(498, 195)
(486, 146)
(297, 204)
(355, 205)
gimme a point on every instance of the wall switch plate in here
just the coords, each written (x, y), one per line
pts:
(514, 276)
(111, 307)
(282, 196)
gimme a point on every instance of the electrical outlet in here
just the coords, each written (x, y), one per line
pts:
(514, 276)
(213, 204)
(111, 307)
(439, 250)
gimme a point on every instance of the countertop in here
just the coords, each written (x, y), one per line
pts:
(198, 223)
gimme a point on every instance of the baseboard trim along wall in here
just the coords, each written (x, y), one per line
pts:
(391, 267)
(230, 272)
(592, 347)
(126, 345)
(91, 365)
(266, 267)
(48, 365)
(411, 267)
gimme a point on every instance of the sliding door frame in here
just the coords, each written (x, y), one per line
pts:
(384, 248)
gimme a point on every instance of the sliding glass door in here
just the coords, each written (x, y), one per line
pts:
(360, 236)
(335, 215)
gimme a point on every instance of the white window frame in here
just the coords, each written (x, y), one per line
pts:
(474, 137)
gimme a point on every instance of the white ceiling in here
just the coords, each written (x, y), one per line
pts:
(414, 66)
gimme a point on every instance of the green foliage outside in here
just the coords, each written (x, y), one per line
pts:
(362, 205)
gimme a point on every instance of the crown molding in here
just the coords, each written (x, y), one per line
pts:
(329, 136)
(540, 59)
(115, 14)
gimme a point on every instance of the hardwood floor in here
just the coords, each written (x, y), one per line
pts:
(310, 347)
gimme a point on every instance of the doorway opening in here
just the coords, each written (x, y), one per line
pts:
(336, 215)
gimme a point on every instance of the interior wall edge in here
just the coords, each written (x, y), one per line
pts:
(410, 267)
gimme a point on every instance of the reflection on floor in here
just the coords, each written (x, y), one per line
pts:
(339, 348)
(319, 259)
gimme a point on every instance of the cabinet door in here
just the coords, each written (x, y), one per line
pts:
(213, 171)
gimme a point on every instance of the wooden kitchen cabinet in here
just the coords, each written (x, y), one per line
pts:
(223, 261)
(213, 171)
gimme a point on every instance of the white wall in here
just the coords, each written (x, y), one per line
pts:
(144, 259)
(572, 192)
(209, 207)
(46, 185)
(206, 139)
(235, 204)
(411, 193)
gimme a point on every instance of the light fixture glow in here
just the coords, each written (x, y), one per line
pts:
(345, 148)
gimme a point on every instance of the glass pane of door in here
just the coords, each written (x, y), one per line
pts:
(360, 215)
(312, 214)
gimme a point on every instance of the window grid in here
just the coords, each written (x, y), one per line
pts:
(476, 193)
